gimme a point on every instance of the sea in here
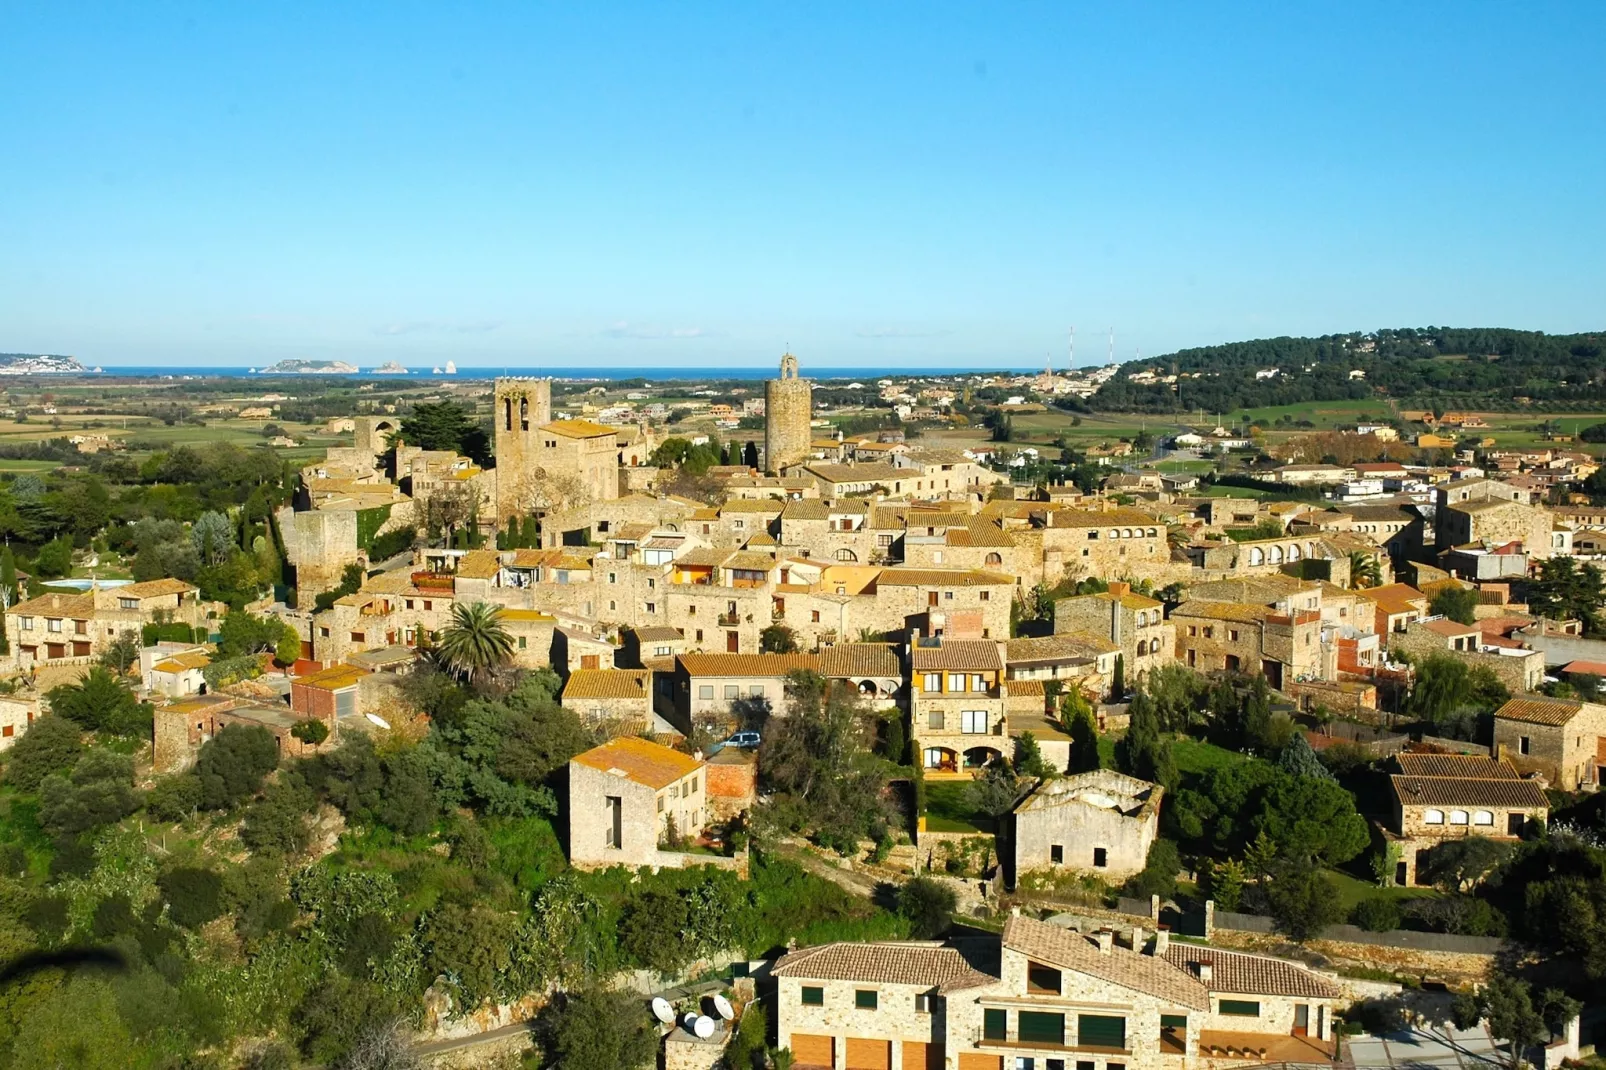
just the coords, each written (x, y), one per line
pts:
(659, 373)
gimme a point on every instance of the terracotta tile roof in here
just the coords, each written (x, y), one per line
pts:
(335, 678)
(579, 429)
(1228, 611)
(1152, 976)
(1466, 791)
(154, 588)
(754, 505)
(750, 561)
(959, 655)
(529, 557)
(1235, 973)
(1393, 598)
(1092, 518)
(640, 760)
(977, 531)
(806, 509)
(747, 664)
(861, 659)
(1455, 765)
(941, 577)
(702, 557)
(528, 615)
(762, 539)
(856, 473)
(1449, 628)
(1536, 710)
(607, 683)
(659, 634)
(1593, 668)
(479, 565)
(193, 659)
(1062, 647)
(921, 964)
(81, 606)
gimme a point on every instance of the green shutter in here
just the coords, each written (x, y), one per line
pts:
(995, 1025)
(1173, 1021)
(865, 999)
(1040, 1027)
(1246, 1008)
(813, 996)
(1100, 1030)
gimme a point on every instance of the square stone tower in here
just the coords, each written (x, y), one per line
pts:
(788, 408)
(522, 406)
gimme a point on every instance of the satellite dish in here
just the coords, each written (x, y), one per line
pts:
(704, 1028)
(662, 1011)
(378, 720)
(723, 1006)
(689, 1020)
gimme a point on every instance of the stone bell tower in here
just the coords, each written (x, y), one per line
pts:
(788, 408)
(522, 406)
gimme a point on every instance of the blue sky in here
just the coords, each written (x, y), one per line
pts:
(869, 184)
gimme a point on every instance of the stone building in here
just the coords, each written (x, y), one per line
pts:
(1134, 622)
(59, 628)
(180, 728)
(788, 410)
(1101, 822)
(1441, 797)
(320, 544)
(959, 715)
(1496, 522)
(704, 687)
(616, 700)
(623, 798)
(1520, 670)
(1235, 637)
(521, 407)
(1050, 997)
(1562, 740)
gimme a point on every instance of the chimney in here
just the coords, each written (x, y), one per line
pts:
(1119, 588)
(1106, 941)
(1137, 939)
(1205, 970)
(1162, 941)
(1014, 911)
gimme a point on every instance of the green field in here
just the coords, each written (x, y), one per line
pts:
(27, 466)
(1184, 468)
(1197, 757)
(1351, 890)
(1218, 491)
(947, 809)
(1325, 415)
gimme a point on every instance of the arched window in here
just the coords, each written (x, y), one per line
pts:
(1126, 533)
(1458, 817)
(1433, 817)
(1482, 817)
(1115, 533)
(524, 414)
(845, 554)
(1257, 556)
(994, 561)
(1293, 551)
(1142, 617)
(1276, 555)
(1154, 533)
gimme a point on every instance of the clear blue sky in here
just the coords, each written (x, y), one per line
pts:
(871, 184)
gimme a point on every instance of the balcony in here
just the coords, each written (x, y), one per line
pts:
(729, 620)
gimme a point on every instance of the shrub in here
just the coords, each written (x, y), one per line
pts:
(232, 764)
(51, 745)
(929, 906)
(1378, 914)
(174, 798)
(194, 895)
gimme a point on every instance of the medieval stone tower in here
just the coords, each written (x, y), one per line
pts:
(788, 408)
(522, 406)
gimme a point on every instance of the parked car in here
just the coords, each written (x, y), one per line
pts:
(743, 739)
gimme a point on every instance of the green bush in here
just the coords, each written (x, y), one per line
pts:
(194, 896)
(1378, 914)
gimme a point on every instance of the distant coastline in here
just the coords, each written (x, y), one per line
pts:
(658, 373)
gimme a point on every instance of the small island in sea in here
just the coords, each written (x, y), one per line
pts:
(310, 367)
(42, 364)
(390, 367)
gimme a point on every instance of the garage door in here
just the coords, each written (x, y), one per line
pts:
(918, 1055)
(969, 1060)
(808, 1050)
(869, 1054)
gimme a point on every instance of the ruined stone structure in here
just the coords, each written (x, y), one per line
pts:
(319, 544)
(371, 434)
(521, 407)
(788, 408)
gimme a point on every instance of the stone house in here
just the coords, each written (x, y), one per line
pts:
(1114, 543)
(58, 628)
(1252, 639)
(1399, 530)
(1398, 604)
(623, 798)
(1080, 657)
(874, 670)
(649, 646)
(703, 686)
(17, 715)
(1520, 670)
(841, 480)
(1494, 522)
(576, 648)
(824, 530)
(1101, 823)
(180, 728)
(1132, 621)
(1560, 739)
(1441, 797)
(973, 542)
(959, 715)
(619, 700)
(1044, 996)
(329, 695)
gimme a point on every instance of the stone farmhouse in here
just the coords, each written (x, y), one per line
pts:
(1562, 740)
(60, 629)
(1101, 823)
(627, 796)
(1442, 797)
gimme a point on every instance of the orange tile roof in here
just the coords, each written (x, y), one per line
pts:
(192, 659)
(1132, 970)
(1533, 709)
(747, 664)
(479, 565)
(579, 428)
(939, 577)
(960, 655)
(926, 965)
(607, 683)
(1455, 765)
(640, 760)
(861, 659)
(154, 588)
(81, 606)
(336, 678)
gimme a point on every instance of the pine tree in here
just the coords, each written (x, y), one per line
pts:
(1299, 759)
(1118, 680)
(8, 589)
(750, 454)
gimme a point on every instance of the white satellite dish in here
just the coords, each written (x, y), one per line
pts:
(662, 1011)
(704, 1026)
(689, 1020)
(378, 720)
(723, 1006)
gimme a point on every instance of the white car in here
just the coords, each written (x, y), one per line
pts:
(743, 740)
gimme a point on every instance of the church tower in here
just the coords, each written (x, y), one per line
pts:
(522, 406)
(788, 409)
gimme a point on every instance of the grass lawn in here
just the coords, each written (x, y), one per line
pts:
(1351, 890)
(1187, 468)
(28, 466)
(1219, 491)
(1324, 414)
(947, 809)
(1197, 757)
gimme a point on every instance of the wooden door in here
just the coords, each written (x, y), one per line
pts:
(590, 661)
(733, 643)
(920, 1055)
(811, 1050)
(869, 1054)
(1302, 1020)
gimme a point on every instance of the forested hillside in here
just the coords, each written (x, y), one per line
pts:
(1453, 366)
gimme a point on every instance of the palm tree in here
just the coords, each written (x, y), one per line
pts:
(1364, 570)
(475, 643)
